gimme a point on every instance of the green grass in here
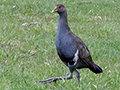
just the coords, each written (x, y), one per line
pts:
(21, 71)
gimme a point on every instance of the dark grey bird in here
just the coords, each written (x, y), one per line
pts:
(71, 49)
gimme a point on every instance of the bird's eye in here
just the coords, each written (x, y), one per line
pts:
(59, 6)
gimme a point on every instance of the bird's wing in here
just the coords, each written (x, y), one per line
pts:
(84, 53)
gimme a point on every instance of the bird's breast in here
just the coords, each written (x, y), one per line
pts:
(66, 48)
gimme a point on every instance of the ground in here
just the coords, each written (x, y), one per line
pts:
(27, 44)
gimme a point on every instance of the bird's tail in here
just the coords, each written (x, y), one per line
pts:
(96, 69)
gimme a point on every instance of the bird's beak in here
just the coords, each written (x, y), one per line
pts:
(55, 10)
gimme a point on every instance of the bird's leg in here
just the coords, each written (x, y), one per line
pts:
(77, 75)
(54, 79)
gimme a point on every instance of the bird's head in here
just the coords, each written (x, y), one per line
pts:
(59, 9)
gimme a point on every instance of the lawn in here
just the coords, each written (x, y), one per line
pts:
(27, 44)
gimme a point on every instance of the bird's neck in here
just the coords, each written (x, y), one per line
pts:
(63, 24)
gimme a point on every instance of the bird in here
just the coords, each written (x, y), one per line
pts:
(71, 49)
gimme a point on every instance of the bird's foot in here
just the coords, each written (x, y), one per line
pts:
(54, 79)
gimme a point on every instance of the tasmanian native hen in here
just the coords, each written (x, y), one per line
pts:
(71, 49)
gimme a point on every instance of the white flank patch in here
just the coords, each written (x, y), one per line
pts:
(76, 57)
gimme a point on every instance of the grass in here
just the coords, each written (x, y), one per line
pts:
(28, 53)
